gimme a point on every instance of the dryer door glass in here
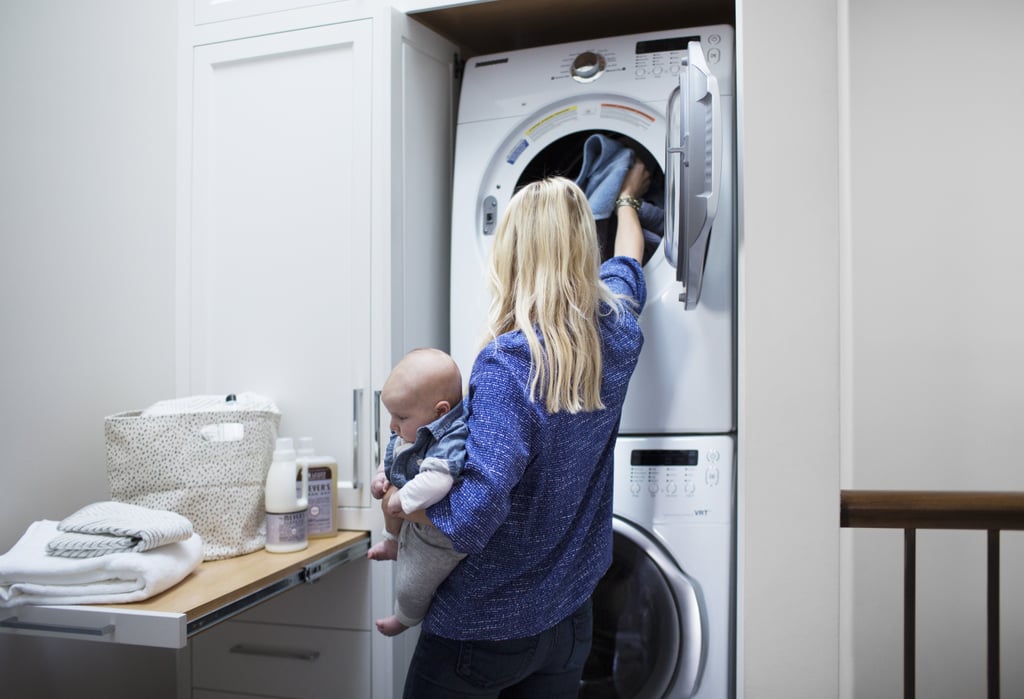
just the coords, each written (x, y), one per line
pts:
(648, 637)
(693, 166)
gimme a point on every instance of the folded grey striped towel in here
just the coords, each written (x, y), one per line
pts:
(117, 527)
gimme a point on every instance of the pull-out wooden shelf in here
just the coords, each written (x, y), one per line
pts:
(215, 591)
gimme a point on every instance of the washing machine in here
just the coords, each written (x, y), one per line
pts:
(664, 613)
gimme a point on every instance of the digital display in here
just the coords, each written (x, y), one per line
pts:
(663, 457)
(679, 43)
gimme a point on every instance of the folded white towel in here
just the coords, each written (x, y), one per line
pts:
(29, 576)
(103, 528)
(207, 404)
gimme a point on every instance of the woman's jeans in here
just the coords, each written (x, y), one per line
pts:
(547, 665)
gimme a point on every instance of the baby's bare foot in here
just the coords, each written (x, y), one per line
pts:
(391, 626)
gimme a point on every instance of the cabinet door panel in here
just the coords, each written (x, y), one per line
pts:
(339, 600)
(273, 292)
(282, 661)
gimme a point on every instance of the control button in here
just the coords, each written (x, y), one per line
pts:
(634, 488)
(652, 488)
(671, 488)
(689, 488)
(713, 456)
(711, 475)
(656, 70)
(714, 55)
(714, 39)
(640, 72)
(587, 67)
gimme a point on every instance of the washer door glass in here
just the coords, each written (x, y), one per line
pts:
(645, 610)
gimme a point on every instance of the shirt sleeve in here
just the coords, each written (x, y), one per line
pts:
(625, 276)
(498, 449)
(428, 486)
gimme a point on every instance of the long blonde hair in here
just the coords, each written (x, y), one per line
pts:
(545, 281)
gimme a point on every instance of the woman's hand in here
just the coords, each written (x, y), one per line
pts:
(637, 182)
(419, 516)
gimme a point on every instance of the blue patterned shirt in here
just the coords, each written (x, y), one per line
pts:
(534, 506)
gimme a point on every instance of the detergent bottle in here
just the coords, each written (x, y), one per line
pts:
(323, 490)
(286, 504)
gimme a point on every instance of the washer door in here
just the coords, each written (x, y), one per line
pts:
(648, 625)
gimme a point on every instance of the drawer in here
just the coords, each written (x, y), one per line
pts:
(281, 661)
(338, 600)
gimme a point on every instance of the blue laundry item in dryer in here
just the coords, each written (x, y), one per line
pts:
(605, 164)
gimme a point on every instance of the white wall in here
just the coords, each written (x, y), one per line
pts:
(87, 173)
(788, 451)
(87, 213)
(932, 313)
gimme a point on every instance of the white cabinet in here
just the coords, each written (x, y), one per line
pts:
(275, 261)
(315, 159)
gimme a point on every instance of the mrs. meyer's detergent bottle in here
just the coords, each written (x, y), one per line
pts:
(285, 504)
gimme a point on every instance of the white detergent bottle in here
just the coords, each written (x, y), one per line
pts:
(285, 503)
(323, 490)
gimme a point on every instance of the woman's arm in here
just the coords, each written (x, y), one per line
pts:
(629, 235)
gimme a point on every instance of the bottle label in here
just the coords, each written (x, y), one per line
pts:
(320, 517)
(286, 528)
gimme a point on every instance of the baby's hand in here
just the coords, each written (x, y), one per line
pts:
(379, 485)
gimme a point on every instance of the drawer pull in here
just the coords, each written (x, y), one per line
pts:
(276, 652)
(12, 622)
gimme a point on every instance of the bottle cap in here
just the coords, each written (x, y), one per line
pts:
(306, 446)
(284, 450)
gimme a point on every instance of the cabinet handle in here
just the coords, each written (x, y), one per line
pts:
(12, 622)
(274, 652)
(376, 430)
(357, 404)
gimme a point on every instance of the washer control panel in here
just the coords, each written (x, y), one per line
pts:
(683, 477)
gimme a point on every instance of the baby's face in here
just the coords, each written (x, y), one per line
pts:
(409, 412)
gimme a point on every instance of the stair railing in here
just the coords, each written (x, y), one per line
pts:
(911, 510)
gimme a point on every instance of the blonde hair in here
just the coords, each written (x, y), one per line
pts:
(545, 281)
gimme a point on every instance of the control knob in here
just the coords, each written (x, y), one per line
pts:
(587, 67)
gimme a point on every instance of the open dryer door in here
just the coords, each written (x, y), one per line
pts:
(693, 171)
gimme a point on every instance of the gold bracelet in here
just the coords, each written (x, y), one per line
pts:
(626, 200)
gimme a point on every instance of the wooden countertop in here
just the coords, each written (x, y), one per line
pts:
(215, 584)
(214, 592)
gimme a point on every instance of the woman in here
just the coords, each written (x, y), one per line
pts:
(533, 508)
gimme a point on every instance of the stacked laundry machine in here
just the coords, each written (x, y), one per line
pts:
(665, 612)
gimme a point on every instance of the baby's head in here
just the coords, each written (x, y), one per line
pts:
(423, 386)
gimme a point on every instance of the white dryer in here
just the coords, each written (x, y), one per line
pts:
(664, 613)
(526, 114)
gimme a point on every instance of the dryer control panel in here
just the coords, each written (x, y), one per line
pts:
(660, 479)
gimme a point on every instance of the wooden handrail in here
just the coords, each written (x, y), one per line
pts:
(922, 509)
(911, 510)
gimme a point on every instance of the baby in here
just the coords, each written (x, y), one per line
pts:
(426, 451)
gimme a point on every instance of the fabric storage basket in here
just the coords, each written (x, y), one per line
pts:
(204, 457)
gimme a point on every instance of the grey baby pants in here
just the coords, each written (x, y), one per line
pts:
(425, 558)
